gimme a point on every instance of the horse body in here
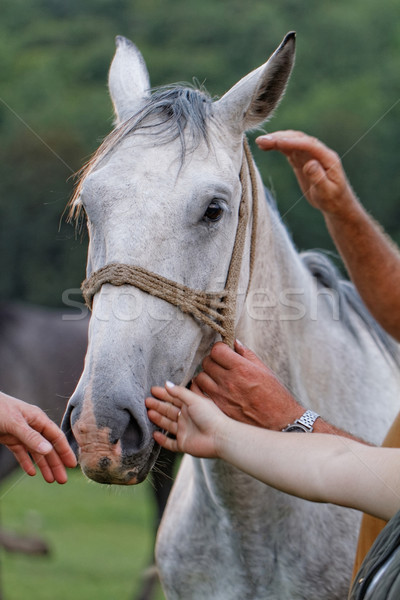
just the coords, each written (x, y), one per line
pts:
(168, 202)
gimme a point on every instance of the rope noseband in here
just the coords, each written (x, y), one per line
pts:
(215, 309)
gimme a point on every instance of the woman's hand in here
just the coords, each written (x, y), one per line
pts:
(193, 419)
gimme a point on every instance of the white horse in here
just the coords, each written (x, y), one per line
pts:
(162, 196)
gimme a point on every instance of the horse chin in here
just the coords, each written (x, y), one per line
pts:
(107, 463)
(126, 471)
(117, 476)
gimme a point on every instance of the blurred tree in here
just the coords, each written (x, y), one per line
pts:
(54, 107)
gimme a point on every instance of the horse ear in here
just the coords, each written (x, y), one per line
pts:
(252, 100)
(128, 79)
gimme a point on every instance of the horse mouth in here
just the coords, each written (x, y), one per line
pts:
(115, 477)
(114, 469)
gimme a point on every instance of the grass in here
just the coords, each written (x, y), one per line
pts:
(100, 539)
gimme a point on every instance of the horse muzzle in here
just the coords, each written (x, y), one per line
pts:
(118, 450)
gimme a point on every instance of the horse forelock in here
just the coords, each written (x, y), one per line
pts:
(350, 302)
(171, 112)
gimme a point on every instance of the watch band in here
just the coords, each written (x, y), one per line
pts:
(308, 419)
(304, 423)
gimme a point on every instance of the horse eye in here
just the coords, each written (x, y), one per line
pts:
(214, 212)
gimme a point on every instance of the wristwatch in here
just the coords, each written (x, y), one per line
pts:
(304, 424)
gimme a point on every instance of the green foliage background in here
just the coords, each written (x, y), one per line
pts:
(54, 110)
(54, 106)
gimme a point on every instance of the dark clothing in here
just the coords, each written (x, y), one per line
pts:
(379, 574)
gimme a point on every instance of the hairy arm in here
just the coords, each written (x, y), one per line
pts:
(248, 391)
(371, 258)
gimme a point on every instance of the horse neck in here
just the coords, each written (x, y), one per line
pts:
(278, 272)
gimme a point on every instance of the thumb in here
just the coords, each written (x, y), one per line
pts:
(246, 352)
(180, 393)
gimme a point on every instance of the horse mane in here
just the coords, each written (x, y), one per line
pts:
(349, 300)
(170, 113)
(328, 276)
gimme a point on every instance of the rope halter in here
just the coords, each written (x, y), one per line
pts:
(215, 309)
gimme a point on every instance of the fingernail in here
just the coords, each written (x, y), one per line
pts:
(44, 447)
(169, 384)
(239, 343)
(268, 137)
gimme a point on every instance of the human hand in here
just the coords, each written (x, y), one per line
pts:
(25, 429)
(318, 170)
(193, 419)
(245, 389)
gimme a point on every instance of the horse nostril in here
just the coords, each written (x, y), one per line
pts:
(66, 427)
(132, 438)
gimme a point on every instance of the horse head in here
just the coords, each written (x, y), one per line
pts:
(161, 196)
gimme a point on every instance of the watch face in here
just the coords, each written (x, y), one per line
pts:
(296, 429)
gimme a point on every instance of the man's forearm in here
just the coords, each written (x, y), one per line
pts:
(248, 391)
(372, 261)
(320, 425)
